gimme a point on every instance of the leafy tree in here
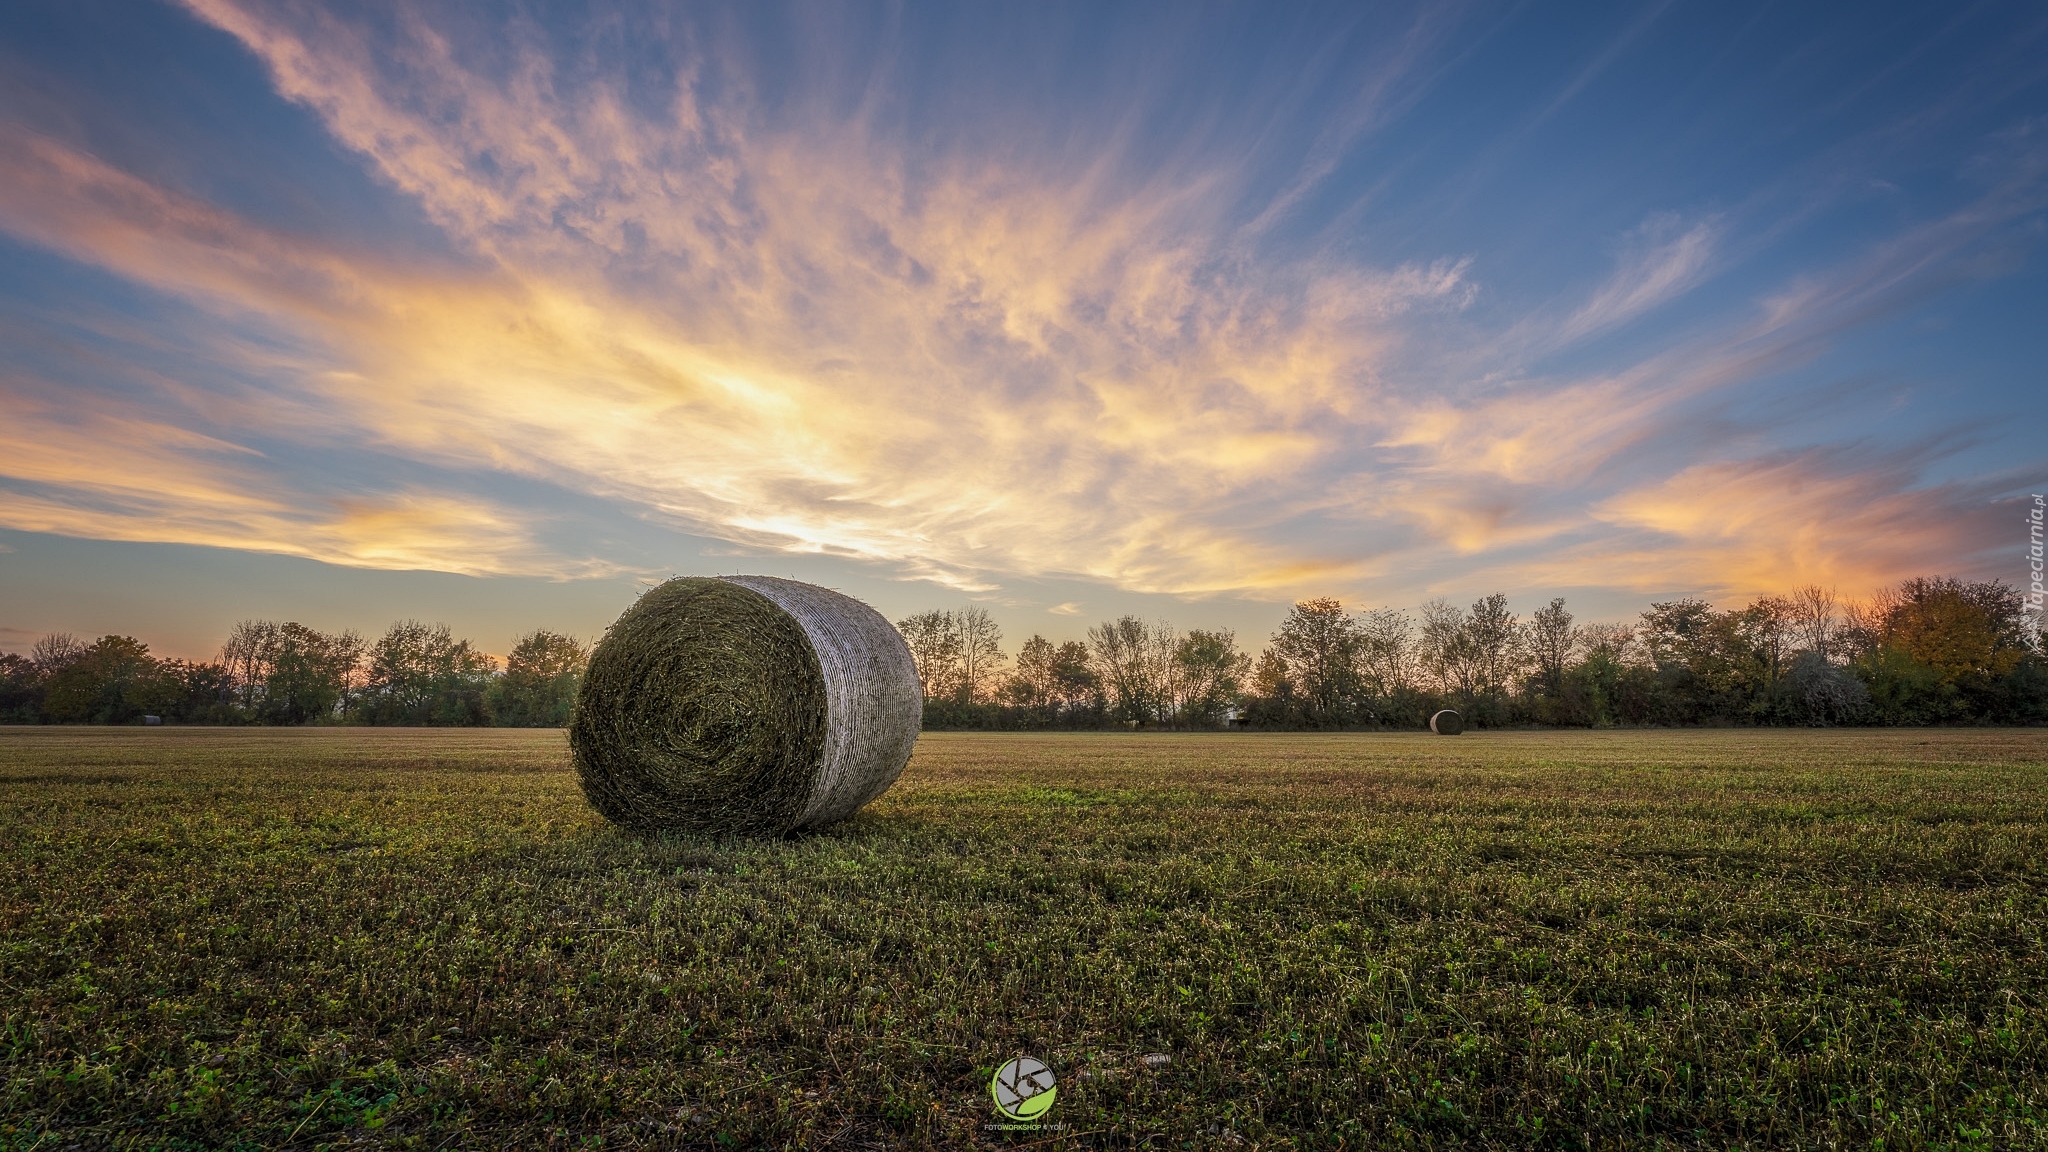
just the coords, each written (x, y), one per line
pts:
(1937, 649)
(1616, 642)
(1476, 656)
(1036, 683)
(422, 675)
(1319, 643)
(1769, 626)
(1209, 675)
(1446, 650)
(102, 683)
(21, 690)
(935, 647)
(1496, 643)
(1551, 639)
(1052, 681)
(289, 673)
(1699, 656)
(538, 689)
(1077, 684)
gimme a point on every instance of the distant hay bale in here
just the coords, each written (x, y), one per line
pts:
(1447, 723)
(744, 704)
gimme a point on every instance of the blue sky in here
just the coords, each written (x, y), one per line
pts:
(493, 314)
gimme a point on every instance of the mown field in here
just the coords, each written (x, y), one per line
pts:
(425, 939)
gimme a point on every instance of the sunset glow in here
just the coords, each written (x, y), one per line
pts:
(1036, 306)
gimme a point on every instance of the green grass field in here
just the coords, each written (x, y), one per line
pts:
(425, 939)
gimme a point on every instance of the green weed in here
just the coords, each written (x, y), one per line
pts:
(425, 939)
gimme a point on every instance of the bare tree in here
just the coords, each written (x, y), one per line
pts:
(1769, 625)
(1445, 649)
(1386, 650)
(981, 653)
(1814, 620)
(1471, 652)
(1606, 640)
(54, 651)
(1135, 662)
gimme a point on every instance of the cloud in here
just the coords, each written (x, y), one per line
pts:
(1070, 608)
(1825, 516)
(982, 382)
(810, 335)
(83, 471)
(1654, 271)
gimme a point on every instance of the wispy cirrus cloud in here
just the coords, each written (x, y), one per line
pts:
(1657, 267)
(127, 476)
(814, 334)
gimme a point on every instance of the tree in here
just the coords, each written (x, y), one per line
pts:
(246, 656)
(1034, 685)
(1209, 673)
(1495, 642)
(1445, 648)
(538, 687)
(21, 690)
(1319, 642)
(1814, 621)
(1472, 654)
(102, 683)
(421, 674)
(289, 673)
(1385, 651)
(1077, 685)
(981, 653)
(1826, 694)
(935, 647)
(1135, 663)
(1551, 639)
(1676, 633)
(1961, 630)
(1769, 625)
(1051, 678)
(1938, 649)
(1271, 678)
(1605, 640)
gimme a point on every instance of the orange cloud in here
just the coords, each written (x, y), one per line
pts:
(115, 476)
(794, 340)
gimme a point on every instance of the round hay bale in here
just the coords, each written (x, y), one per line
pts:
(744, 704)
(1447, 723)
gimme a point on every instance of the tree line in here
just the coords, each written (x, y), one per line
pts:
(1927, 651)
(287, 673)
(1931, 650)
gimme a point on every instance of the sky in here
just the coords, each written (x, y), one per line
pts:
(497, 314)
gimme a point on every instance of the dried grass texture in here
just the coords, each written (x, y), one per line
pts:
(744, 704)
(1447, 723)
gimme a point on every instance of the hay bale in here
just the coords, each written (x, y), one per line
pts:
(1447, 723)
(744, 704)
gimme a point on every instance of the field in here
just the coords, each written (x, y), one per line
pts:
(425, 939)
